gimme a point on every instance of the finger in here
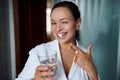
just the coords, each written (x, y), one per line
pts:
(42, 68)
(89, 49)
(76, 58)
(47, 73)
(43, 73)
(75, 49)
(48, 78)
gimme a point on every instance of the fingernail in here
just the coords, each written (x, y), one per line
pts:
(52, 73)
(53, 79)
(46, 68)
(69, 48)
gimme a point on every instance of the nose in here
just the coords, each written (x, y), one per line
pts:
(59, 27)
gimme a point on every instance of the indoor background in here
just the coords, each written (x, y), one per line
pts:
(25, 24)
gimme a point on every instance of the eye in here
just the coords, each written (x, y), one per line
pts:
(64, 22)
(53, 23)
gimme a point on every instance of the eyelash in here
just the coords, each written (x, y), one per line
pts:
(53, 23)
(63, 22)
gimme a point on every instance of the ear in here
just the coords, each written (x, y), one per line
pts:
(78, 23)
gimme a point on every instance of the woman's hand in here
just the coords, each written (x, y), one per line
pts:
(43, 73)
(85, 61)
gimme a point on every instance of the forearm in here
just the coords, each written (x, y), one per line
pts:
(92, 74)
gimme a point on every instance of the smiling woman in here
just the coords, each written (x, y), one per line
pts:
(74, 62)
(62, 25)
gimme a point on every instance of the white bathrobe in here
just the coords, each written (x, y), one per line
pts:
(76, 72)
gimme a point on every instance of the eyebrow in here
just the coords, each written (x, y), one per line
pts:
(60, 19)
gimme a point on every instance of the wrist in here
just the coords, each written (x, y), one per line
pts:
(93, 75)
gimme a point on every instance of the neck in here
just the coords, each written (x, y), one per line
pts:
(66, 45)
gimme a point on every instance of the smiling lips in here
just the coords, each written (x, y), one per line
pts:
(61, 35)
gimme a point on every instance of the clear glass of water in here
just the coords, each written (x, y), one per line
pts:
(50, 60)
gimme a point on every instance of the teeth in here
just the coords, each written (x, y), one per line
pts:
(60, 35)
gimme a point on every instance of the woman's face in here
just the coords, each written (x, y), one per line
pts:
(63, 25)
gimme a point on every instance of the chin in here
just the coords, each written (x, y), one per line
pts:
(63, 41)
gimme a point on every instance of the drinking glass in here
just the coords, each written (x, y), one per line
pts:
(50, 60)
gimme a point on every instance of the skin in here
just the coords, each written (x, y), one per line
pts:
(63, 23)
(64, 27)
(84, 60)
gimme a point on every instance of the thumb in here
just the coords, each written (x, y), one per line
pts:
(89, 49)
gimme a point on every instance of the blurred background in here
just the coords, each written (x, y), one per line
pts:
(26, 23)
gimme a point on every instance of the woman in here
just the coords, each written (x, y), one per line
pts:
(74, 61)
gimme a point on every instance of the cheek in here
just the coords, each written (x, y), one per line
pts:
(53, 30)
(72, 29)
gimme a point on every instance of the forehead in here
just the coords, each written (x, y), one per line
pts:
(61, 12)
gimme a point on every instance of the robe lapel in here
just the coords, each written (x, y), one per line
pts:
(60, 69)
(73, 69)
